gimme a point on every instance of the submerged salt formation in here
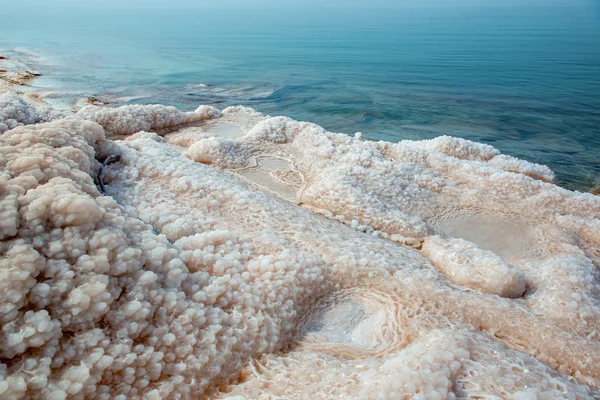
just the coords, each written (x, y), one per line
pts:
(304, 264)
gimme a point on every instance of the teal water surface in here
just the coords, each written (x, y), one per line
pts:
(525, 80)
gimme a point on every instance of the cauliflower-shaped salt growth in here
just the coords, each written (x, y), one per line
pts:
(49, 114)
(59, 276)
(155, 179)
(478, 185)
(220, 152)
(9, 201)
(60, 203)
(511, 164)
(587, 230)
(438, 364)
(320, 148)
(70, 139)
(247, 112)
(573, 300)
(127, 120)
(468, 265)
(15, 111)
(120, 313)
(203, 112)
(18, 269)
(388, 200)
(425, 370)
(278, 130)
(97, 306)
(144, 135)
(460, 148)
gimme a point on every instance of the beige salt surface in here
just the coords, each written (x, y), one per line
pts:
(187, 136)
(509, 238)
(274, 174)
(226, 130)
(255, 296)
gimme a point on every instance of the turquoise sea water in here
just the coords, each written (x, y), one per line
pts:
(525, 80)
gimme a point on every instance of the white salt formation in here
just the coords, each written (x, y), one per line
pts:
(468, 265)
(305, 264)
(15, 111)
(127, 120)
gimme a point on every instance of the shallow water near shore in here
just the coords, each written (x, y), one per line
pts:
(526, 81)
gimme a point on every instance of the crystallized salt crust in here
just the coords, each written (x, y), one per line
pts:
(303, 264)
(127, 120)
(15, 111)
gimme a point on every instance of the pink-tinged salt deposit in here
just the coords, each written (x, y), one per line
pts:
(303, 263)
